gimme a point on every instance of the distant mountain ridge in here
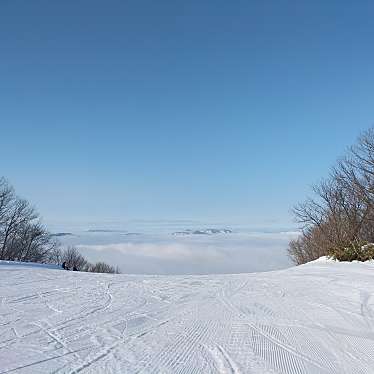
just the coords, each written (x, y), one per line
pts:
(58, 234)
(203, 232)
(106, 230)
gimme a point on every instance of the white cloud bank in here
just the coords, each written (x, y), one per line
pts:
(166, 251)
(164, 254)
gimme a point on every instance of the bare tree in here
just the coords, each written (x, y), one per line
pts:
(102, 267)
(24, 238)
(341, 212)
(74, 259)
(6, 197)
(19, 214)
(55, 254)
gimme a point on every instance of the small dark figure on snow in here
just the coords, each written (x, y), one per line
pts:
(75, 268)
(64, 265)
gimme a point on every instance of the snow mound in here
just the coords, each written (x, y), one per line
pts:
(322, 260)
(315, 318)
(29, 264)
(330, 260)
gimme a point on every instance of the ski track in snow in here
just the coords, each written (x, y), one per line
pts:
(315, 318)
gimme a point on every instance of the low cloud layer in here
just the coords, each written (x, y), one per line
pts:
(164, 254)
(160, 251)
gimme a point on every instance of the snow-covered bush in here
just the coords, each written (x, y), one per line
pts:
(353, 252)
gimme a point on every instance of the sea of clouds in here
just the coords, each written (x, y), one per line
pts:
(153, 249)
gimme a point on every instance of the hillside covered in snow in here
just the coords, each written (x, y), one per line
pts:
(315, 318)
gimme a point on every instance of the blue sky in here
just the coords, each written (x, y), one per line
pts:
(214, 111)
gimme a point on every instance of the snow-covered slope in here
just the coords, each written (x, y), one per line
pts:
(29, 264)
(316, 318)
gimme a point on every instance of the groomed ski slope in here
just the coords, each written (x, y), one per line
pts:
(316, 318)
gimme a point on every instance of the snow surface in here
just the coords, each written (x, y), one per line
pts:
(315, 318)
(30, 264)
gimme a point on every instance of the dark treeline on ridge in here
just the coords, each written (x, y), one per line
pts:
(338, 220)
(24, 238)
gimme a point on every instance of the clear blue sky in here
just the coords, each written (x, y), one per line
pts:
(207, 110)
